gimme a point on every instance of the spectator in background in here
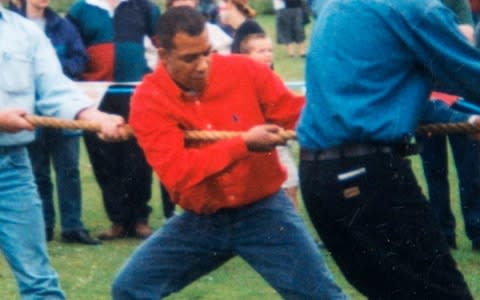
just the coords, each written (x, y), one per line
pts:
(58, 146)
(259, 47)
(279, 8)
(230, 189)
(32, 81)
(113, 32)
(466, 154)
(238, 15)
(292, 31)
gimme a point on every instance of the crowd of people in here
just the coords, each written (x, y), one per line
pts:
(375, 71)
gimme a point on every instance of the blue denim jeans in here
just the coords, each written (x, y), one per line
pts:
(53, 146)
(22, 234)
(269, 235)
(467, 163)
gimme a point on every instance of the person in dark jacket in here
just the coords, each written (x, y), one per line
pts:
(61, 147)
(114, 33)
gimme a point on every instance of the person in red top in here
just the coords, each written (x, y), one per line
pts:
(230, 190)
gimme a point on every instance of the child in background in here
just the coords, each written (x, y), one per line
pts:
(259, 47)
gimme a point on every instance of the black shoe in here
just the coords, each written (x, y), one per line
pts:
(49, 234)
(80, 236)
(452, 243)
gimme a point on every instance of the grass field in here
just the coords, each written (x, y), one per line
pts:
(86, 272)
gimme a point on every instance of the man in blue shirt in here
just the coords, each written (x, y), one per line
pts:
(369, 73)
(32, 81)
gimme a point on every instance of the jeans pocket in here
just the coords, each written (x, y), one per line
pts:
(351, 183)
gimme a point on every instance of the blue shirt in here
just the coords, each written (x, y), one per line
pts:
(371, 67)
(31, 76)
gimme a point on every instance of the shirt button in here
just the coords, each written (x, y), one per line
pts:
(197, 102)
(209, 126)
(231, 198)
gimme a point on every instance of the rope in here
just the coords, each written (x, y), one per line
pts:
(446, 128)
(211, 135)
(51, 122)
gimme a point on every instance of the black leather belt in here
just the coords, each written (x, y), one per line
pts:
(356, 150)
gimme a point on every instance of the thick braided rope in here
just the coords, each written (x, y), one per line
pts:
(211, 135)
(51, 122)
(444, 128)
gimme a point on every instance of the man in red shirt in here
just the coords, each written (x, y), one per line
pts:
(229, 189)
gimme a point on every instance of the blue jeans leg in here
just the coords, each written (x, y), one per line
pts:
(22, 235)
(269, 235)
(273, 239)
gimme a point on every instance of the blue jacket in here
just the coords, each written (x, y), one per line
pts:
(66, 40)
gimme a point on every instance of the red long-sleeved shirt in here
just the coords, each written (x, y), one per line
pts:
(205, 177)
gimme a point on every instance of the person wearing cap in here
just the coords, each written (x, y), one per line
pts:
(238, 15)
(230, 189)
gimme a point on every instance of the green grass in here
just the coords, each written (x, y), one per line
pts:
(86, 272)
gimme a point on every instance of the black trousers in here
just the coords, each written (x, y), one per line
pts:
(121, 169)
(467, 164)
(372, 216)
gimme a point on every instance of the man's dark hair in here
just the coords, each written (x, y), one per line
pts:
(176, 20)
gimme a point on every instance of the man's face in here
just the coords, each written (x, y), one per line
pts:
(261, 50)
(188, 63)
(189, 3)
